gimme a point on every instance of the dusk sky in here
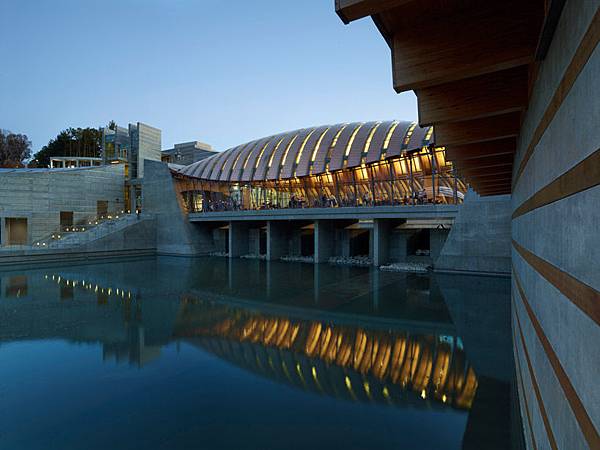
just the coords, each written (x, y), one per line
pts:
(223, 72)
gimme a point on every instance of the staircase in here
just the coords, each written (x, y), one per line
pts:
(85, 234)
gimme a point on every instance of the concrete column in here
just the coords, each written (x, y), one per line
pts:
(324, 240)
(277, 240)
(254, 241)
(295, 241)
(238, 239)
(437, 239)
(399, 244)
(381, 241)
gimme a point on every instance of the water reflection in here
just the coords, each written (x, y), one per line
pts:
(355, 363)
(403, 342)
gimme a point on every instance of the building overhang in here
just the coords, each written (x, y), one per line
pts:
(471, 65)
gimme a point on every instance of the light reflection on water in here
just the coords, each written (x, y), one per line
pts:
(325, 355)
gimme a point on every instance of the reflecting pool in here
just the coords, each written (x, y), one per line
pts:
(214, 353)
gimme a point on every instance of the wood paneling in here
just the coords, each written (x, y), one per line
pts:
(433, 44)
(478, 130)
(473, 98)
(349, 10)
(482, 149)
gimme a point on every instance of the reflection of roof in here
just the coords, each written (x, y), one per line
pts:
(344, 361)
(311, 151)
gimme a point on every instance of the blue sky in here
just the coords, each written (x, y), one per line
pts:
(224, 72)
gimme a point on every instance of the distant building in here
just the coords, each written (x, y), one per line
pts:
(187, 153)
(131, 146)
(64, 162)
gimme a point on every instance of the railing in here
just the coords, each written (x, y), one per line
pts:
(87, 230)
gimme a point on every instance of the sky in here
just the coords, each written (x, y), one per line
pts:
(222, 72)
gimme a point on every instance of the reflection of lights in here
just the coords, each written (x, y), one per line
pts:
(423, 394)
(348, 383)
(367, 388)
(385, 392)
(314, 373)
(444, 398)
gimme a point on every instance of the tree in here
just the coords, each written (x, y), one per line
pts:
(82, 142)
(14, 149)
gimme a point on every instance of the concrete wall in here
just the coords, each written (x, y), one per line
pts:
(41, 194)
(556, 244)
(174, 234)
(480, 237)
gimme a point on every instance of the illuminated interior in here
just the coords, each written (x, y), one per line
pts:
(359, 164)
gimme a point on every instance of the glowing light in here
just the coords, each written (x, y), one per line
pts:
(351, 141)
(370, 138)
(388, 137)
(367, 388)
(348, 383)
(423, 394)
(444, 398)
(316, 149)
(385, 392)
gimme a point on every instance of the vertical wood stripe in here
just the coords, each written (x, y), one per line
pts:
(584, 297)
(520, 381)
(582, 55)
(584, 175)
(585, 423)
(536, 388)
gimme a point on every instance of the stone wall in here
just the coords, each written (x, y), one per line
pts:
(41, 194)
(175, 235)
(556, 245)
(480, 237)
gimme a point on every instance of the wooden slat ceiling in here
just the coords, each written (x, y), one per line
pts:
(471, 64)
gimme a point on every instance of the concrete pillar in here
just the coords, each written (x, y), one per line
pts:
(324, 240)
(381, 241)
(399, 244)
(437, 239)
(238, 239)
(277, 240)
(295, 241)
(254, 241)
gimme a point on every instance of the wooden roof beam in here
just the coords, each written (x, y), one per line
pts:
(501, 172)
(432, 44)
(481, 149)
(474, 98)
(478, 130)
(350, 10)
(482, 163)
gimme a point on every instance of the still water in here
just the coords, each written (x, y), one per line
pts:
(208, 353)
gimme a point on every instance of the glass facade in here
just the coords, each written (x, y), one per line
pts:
(419, 177)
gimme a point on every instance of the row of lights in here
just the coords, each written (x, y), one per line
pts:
(89, 286)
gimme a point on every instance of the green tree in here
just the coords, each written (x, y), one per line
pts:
(82, 142)
(14, 149)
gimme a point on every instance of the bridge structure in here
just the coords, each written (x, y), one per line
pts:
(378, 191)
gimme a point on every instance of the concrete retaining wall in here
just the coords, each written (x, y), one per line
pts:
(480, 237)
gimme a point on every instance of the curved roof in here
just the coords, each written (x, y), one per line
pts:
(311, 150)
